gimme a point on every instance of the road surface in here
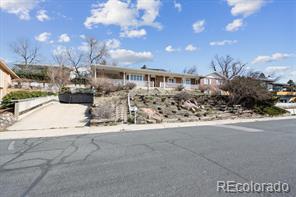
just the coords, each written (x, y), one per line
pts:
(167, 162)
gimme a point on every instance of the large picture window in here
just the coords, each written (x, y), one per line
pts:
(136, 77)
(171, 80)
(188, 81)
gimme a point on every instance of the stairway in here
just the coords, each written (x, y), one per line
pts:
(121, 111)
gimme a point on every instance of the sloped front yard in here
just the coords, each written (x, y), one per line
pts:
(184, 107)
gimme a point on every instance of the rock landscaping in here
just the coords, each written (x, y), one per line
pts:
(109, 110)
(6, 120)
(186, 106)
(160, 106)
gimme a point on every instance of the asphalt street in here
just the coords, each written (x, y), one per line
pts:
(165, 162)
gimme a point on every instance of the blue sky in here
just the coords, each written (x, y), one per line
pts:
(171, 34)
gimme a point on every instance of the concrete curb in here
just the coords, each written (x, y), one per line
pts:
(59, 132)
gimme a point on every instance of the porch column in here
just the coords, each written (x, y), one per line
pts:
(124, 78)
(163, 81)
(148, 81)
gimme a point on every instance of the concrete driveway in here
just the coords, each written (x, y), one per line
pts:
(55, 115)
(181, 162)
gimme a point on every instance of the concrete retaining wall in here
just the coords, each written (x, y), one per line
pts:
(291, 107)
(25, 105)
(286, 105)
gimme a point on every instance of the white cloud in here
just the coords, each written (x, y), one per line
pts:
(190, 48)
(42, 15)
(151, 11)
(134, 33)
(21, 8)
(178, 6)
(245, 7)
(199, 26)
(43, 37)
(83, 47)
(170, 49)
(276, 69)
(273, 57)
(235, 25)
(283, 72)
(59, 50)
(82, 36)
(124, 56)
(124, 14)
(113, 12)
(110, 44)
(223, 42)
(64, 38)
(113, 43)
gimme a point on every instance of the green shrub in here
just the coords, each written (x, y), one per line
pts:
(130, 86)
(18, 95)
(180, 88)
(65, 90)
(269, 110)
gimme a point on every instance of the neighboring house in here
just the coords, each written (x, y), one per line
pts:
(6, 76)
(211, 83)
(36, 77)
(147, 77)
(266, 82)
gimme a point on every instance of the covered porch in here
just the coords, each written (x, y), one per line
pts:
(148, 78)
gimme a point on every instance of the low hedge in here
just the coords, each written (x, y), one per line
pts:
(269, 110)
(18, 95)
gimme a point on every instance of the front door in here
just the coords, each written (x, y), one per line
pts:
(152, 79)
(158, 79)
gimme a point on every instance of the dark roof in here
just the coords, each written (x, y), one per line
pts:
(156, 69)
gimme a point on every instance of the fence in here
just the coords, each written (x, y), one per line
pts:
(25, 105)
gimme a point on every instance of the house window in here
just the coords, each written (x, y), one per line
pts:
(207, 81)
(218, 82)
(187, 81)
(136, 78)
(171, 80)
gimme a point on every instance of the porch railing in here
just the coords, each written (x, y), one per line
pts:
(175, 85)
(138, 83)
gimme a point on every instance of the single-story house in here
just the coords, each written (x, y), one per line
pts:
(147, 77)
(210, 84)
(37, 76)
(6, 76)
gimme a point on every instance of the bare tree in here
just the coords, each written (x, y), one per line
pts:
(96, 52)
(227, 67)
(60, 59)
(28, 53)
(255, 75)
(192, 70)
(261, 76)
(74, 57)
(59, 75)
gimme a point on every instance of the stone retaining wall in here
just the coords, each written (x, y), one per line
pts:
(6, 120)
